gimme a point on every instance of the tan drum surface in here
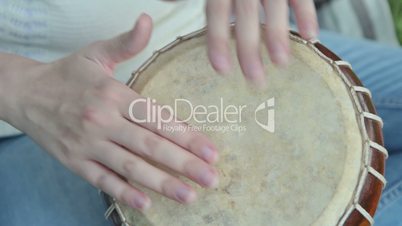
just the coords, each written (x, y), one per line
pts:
(305, 173)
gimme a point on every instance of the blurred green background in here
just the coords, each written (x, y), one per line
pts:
(378, 20)
(396, 9)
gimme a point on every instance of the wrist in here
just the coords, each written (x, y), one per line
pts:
(15, 74)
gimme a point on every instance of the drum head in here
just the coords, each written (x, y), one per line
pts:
(292, 156)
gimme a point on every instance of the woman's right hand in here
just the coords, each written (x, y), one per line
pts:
(79, 113)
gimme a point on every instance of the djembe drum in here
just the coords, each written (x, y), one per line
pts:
(308, 150)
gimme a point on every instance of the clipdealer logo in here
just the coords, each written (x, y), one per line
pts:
(221, 117)
(269, 108)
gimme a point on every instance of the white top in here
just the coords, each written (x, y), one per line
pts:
(47, 30)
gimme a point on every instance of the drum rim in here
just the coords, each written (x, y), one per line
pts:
(362, 207)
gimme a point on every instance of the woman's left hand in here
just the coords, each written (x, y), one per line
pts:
(248, 32)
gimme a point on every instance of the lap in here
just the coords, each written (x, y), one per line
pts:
(38, 190)
(389, 209)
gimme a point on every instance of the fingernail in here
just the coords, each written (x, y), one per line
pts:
(221, 63)
(282, 59)
(280, 55)
(209, 179)
(208, 154)
(256, 75)
(185, 195)
(141, 203)
(259, 85)
(311, 31)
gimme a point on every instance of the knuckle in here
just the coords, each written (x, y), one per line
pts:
(129, 166)
(108, 92)
(195, 141)
(101, 181)
(133, 167)
(103, 109)
(93, 116)
(152, 143)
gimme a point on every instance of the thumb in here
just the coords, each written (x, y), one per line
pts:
(120, 48)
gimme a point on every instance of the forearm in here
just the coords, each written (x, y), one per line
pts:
(13, 70)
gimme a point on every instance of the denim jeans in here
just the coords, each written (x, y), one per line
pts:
(38, 190)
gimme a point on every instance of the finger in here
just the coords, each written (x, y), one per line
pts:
(248, 40)
(157, 149)
(306, 17)
(124, 46)
(136, 109)
(218, 12)
(139, 171)
(276, 30)
(109, 182)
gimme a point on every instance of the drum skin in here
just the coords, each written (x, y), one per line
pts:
(371, 188)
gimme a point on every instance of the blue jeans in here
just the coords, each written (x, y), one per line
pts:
(37, 190)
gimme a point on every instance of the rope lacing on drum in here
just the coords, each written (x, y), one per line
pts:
(373, 117)
(110, 210)
(343, 63)
(378, 147)
(378, 175)
(363, 212)
(116, 207)
(371, 144)
(375, 146)
(314, 40)
(362, 89)
(368, 169)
